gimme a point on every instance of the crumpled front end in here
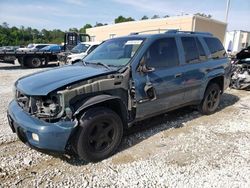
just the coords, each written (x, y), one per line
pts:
(241, 75)
(37, 132)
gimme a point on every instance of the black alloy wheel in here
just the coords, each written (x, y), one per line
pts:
(99, 135)
(211, 99)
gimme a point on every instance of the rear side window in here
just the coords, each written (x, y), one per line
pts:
(190, 49)
(215, 47)
(201, 50)
(163, 53)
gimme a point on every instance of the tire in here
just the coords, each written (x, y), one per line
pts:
(99, 134)
(34, 62)
(211, 99)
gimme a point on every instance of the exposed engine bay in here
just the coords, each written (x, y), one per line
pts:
(241, 74)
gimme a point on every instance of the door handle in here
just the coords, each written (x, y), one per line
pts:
(178, 75)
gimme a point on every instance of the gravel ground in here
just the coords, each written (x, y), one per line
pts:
(178, 149)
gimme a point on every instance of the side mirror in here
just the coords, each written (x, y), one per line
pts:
(143, 68)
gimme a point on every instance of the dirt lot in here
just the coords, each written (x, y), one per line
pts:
(178, 149)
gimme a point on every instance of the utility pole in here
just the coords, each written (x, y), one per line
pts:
(227, 10)
(226, 20)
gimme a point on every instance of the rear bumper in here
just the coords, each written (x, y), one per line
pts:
(52, 136)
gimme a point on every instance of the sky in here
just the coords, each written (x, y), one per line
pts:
(65, 14)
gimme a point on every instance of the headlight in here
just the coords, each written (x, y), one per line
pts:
(48, 107)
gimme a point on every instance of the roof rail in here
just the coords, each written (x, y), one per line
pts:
(168, 31)
(159, 31)
(189, 32)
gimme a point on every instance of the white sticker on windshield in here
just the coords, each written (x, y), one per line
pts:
(133, 42)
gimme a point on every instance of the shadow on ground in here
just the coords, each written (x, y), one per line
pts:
(147, 128)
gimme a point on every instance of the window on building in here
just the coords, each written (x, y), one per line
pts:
(190, 49)
(162, 53)
(215, 47)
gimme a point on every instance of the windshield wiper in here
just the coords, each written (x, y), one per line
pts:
(97, 63)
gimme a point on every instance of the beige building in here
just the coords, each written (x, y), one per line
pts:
(184, 23)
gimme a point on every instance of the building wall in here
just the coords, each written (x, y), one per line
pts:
(238, 39)
(185, 23)
(210, 25)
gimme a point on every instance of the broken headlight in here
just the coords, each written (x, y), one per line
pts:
(48, 107)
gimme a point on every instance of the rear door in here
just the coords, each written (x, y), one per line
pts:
(193, 67)
(165, 79)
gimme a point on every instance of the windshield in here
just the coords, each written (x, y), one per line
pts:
(115, 52)
(79, 48)
(46, 48)
(30, 46)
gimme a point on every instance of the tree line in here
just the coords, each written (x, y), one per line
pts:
(13, 36)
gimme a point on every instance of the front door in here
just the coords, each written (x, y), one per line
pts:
(166, 80)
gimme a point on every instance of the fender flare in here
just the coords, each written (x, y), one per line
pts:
(100, 99)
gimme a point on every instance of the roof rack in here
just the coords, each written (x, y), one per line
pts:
(172, 31)
(159, 31)
(189, 32)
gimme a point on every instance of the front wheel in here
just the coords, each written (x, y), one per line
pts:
(211, 99)
(99, 134)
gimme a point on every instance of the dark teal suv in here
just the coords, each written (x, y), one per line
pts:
(85, 107)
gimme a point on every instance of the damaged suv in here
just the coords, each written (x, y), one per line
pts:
(86, 107)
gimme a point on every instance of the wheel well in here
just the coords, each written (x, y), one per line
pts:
(218, 80)
(114, 104)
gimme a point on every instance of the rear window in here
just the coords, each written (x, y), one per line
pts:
(215, 47)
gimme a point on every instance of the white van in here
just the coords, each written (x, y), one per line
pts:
(80, 51)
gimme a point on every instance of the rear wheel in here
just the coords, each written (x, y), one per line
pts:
(99, 135)
(34, 62)
(211, 99)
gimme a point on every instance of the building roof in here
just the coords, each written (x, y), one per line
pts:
(159, 19)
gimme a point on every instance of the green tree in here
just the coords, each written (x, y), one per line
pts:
(121, 19)
(203, 15)
(144, 18)
(98, 24)
(155, 16)
(86, 26)
(73, 29)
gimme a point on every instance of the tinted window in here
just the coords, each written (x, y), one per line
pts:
(162, 53)
(92, 48)
(215, 47)
(40, 46)
(201, 50)
(190, 49)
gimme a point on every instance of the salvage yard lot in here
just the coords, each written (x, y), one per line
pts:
(181, 148)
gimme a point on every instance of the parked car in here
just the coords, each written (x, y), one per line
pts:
(80, 51)
(8, 48)
(32, 48)
(86, 107)
(52, 48)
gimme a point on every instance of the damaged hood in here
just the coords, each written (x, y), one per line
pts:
(44, 82)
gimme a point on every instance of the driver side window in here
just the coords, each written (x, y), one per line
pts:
(162, 53)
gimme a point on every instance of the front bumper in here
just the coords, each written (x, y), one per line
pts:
(52, 136)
